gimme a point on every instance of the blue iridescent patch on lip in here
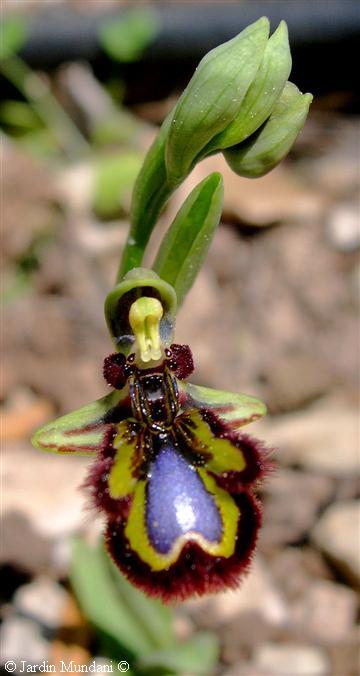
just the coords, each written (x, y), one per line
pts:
(178, 502)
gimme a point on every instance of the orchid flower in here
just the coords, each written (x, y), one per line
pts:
(172, 472)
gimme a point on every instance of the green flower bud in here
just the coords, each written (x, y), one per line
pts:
(262, 151)
(238, 103)
(137, 284)
(262, 94)
(213, 97)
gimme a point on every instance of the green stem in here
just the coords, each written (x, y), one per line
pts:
(39, 96)
(150, 194)
(141, 230)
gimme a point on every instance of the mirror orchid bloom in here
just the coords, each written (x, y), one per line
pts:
(173, 474)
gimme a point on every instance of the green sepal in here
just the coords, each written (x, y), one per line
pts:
(233, 409)
(186, 243)
(262, 151)
(138, 283)
(213, 97)
(83, 431)
(262, 94)
(150, 193)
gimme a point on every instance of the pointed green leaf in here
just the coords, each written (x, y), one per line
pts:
(213, 97)
(198, 655)
(187, 241)
(81, 432)
(262, 94)
(124, 39)
(13, 36)
(156, 618)
(262, 151)
(102, 602)
(234, 409)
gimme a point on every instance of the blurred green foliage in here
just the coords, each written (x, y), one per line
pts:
(113, 181)
(13, 35)
(129, 625)
(124, 39)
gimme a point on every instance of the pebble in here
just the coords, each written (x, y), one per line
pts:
(21, 639)
(44, 600)
(29, 495)
(343, 230)
(291, 503)
(323, 438)
(326, 612)
(337, 535)
(291, 659)
(256, 595)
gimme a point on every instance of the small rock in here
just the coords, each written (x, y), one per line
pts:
(292, 501)
(297, 660)
(23, 545)
(23, 413)
(21, 639)
(337, 535)
(33, 479)
(344, 656)
(343, 229)
(294, 568)
(257, 594)
(326, 613)
(298, 379)
(43, 600)
(183, 626)
(336, 167)
(324, 438)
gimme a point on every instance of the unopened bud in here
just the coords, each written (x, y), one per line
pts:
(262, 151)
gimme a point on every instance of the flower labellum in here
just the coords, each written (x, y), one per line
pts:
(172, 474)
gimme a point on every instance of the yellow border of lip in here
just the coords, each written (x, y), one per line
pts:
(136, 531)
(224, 456)
(121, 480)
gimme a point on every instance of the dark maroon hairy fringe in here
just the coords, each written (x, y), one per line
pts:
(97, 486)
(195, 572)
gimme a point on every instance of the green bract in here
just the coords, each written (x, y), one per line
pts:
(262, 94)
(213, 97)
(188, 239)
(268, 146)
(237, 102)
